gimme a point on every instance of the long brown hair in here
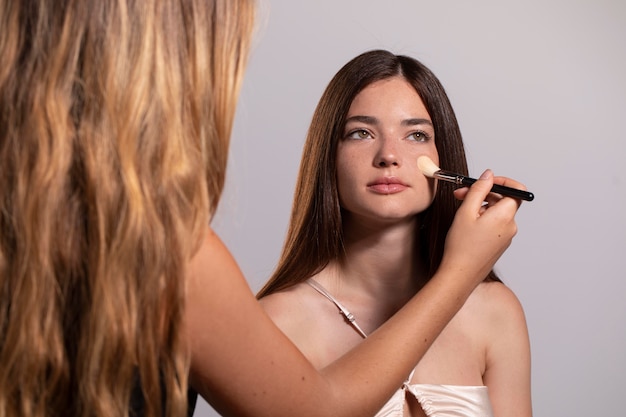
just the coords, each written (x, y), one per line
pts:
(315, 234)
(115, 118)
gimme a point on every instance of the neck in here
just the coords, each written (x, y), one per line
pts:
(379, 272)
(381, 260)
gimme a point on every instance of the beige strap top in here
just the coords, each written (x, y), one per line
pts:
(435, 400)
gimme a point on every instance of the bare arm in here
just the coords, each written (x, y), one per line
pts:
(244, 365)
(507, 372)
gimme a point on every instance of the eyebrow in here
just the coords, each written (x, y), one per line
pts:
(416, 121)
(374, 121)
(363, 119)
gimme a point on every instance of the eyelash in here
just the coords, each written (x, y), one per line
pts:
(355, 131)
(425, 136)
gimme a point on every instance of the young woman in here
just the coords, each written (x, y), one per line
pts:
(368, 233)
(115, 295)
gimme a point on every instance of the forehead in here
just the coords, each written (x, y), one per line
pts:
(390, 94)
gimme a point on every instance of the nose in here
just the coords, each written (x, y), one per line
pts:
(387, 154)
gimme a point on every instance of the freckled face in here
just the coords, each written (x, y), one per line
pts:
(387, 129)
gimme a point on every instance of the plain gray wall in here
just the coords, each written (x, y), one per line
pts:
(539, 88)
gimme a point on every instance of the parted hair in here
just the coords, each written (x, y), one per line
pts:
(115, 118)
(315, 233)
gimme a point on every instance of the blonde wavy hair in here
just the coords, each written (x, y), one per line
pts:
(115, 118)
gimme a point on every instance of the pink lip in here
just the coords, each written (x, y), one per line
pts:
(387, 185)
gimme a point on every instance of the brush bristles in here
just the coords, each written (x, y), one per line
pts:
(427, 166)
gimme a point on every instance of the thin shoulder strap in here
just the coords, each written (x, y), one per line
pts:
(342, 310)
(346, 314)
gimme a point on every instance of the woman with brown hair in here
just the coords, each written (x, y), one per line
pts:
(115, 294)
(380, 230)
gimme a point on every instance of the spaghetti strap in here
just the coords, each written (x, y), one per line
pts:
(347, 315)
(342, 310)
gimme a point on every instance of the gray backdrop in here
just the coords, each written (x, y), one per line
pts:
(540, 92)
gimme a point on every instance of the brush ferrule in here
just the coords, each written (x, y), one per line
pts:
(449, 176)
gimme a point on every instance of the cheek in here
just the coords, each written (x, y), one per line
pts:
(345, 181)
(426, 189)
(347, 177)
(345, 168)
(431, 184)
(432, 153)
(433, 189)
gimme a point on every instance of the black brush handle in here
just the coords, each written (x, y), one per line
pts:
(500, 189)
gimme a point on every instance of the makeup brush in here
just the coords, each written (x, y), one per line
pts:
(430, 169)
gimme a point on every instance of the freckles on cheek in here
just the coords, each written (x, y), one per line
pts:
(346, 164)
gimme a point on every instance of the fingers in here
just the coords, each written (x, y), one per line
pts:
(483, 226)
(497, 210)
(492, 197)
(508, 182)
(475, 195)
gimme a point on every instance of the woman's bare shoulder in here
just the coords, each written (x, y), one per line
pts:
(497, 296)
(288, 305)
(507, 354)
(307, 319)
(496, 306)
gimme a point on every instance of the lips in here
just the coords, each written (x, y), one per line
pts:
(387, 185)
